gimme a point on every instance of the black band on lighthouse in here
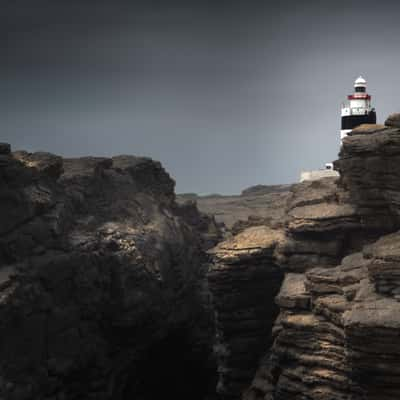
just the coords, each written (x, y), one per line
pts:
(351, 121)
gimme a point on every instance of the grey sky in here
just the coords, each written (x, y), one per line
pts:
(226, 94)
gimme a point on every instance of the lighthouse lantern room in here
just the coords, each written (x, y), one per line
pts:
(357, 109)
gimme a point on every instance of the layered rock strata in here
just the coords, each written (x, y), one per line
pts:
(322, 225)
(243, 279)
(368, 165)
(259, 205)
(336, 336)
(103, 289)
(319, 225)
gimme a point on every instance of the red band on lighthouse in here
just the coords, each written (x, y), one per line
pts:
(357, 96)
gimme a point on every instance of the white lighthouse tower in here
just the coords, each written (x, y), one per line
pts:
(357, 109)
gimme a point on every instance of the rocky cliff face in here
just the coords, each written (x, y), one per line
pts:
(314, 352)
(256, 205)
(336, 336)
(106, 290)
(244, 280)
(368, 165)
(321, 226)
(102, 285)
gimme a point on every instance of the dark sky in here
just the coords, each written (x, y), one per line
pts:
(226, 94)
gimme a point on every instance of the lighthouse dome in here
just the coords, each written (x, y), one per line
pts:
(360, 81)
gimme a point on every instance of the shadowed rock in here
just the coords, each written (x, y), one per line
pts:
(393, 120)
(98, 265)
(244, 280)
(5, 148)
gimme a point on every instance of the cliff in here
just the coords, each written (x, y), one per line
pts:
(243, 280)
(336, 334)
(111, 289)
(101, 280)
(256, 205)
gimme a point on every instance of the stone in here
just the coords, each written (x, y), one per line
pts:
(45, 163)
(101, 269)
(260, 205)
(243, 280)
(365, 129)
(293, 294)
(393, 120)
(320, 226)
(341, 343)
(5, 148)
(251, 243)
(98, 265)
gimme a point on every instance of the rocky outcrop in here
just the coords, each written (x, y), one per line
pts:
(264, 189)
(318, 225)
(336, 334)
(368, 166)
(384, 266)
(98, 266)
(393, 120)
(5, 148)
(336, 337)
(243, 280)
(322, 225)
(106, 291)
(258, 205)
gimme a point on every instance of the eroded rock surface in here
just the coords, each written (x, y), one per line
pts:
(243, 280)
(319, 225)
(258, 205)
(336, 336)
(369, 172)
(324, 223)
(98, 265)
(102, 273)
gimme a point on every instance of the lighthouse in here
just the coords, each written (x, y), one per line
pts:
(357, 109)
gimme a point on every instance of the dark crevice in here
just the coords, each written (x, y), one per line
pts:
(172, 368)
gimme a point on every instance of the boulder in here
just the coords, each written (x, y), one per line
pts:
(45, 163)
(5, 148)
(393, 120)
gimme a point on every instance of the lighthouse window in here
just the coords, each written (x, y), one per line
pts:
(360, 89)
